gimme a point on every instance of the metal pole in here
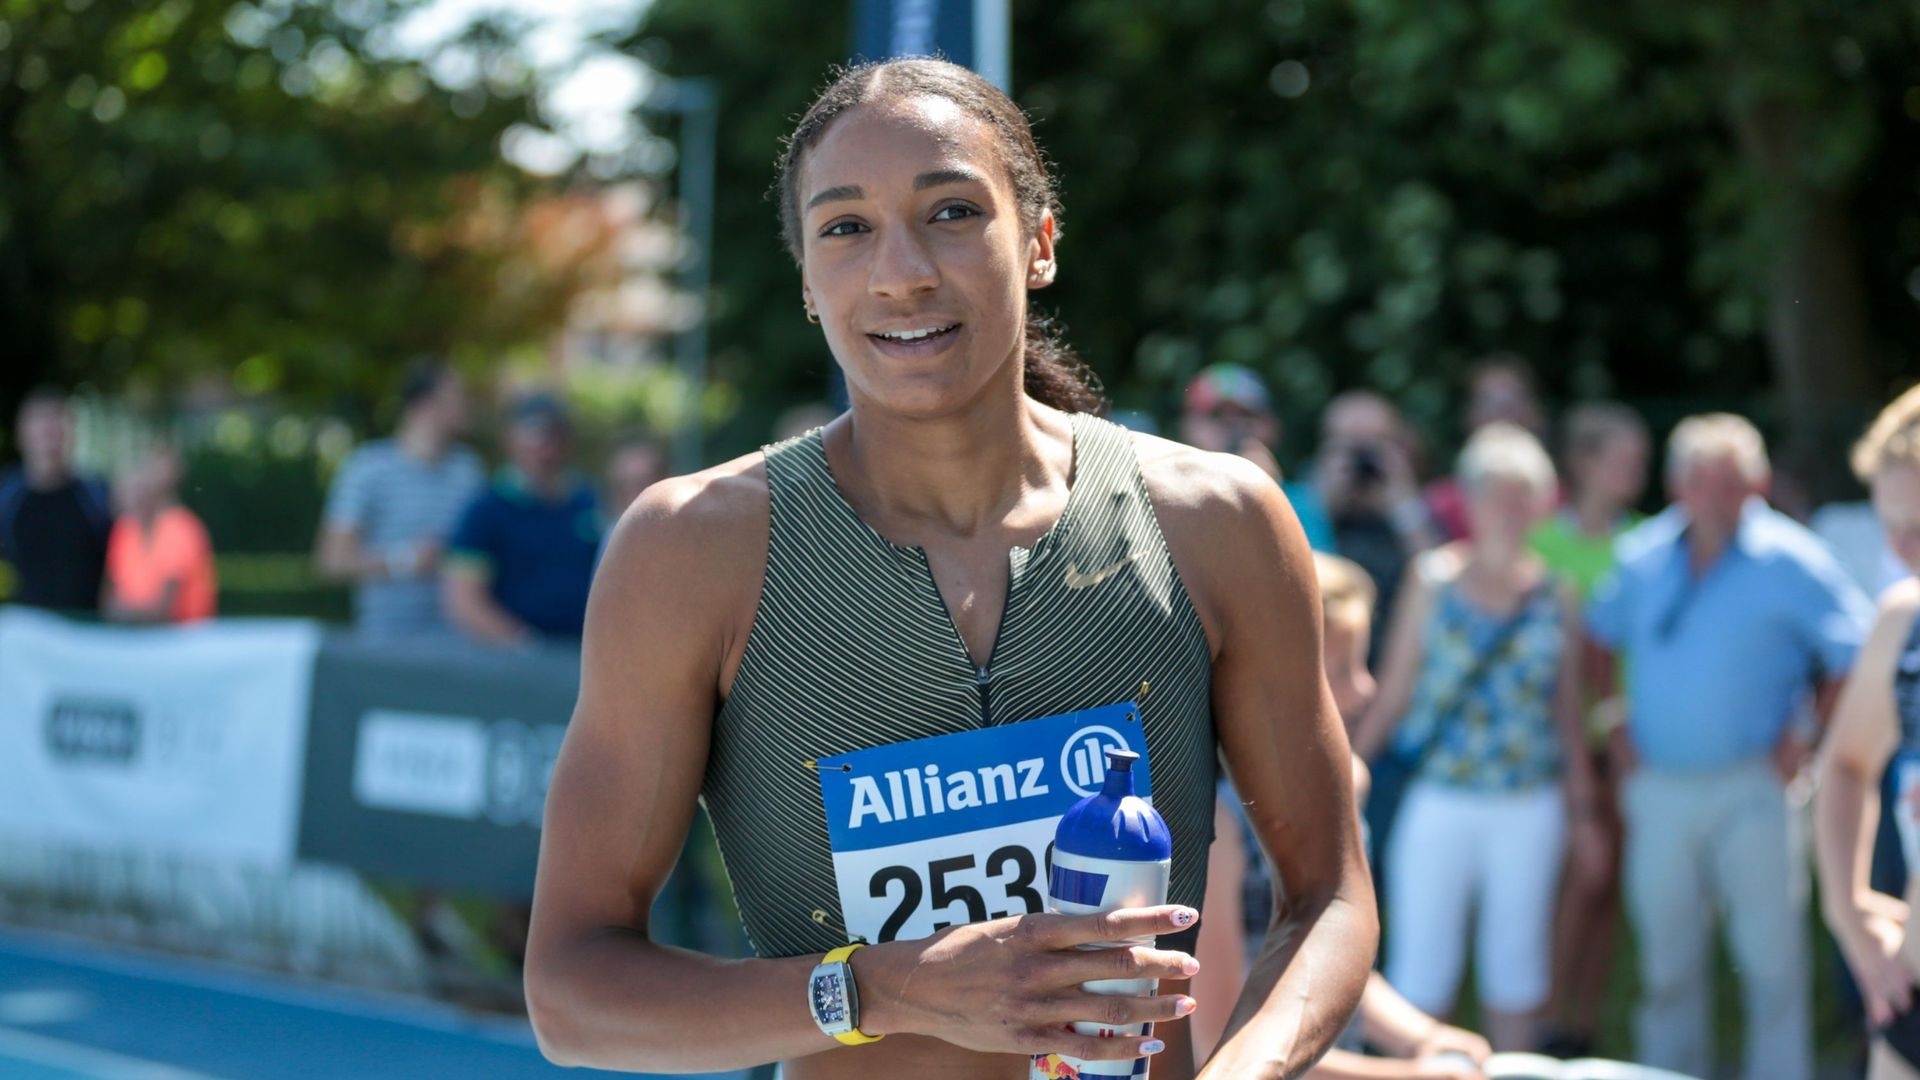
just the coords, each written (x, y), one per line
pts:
(697, 105)
(991, 45)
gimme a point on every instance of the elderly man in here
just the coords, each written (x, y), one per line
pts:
(1730, 618)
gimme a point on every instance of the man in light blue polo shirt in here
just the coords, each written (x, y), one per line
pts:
(1730, 618)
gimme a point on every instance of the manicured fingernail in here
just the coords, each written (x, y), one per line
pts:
(1184, 917)
(1186, 1006)
(1152, 1046)
(1189, 966)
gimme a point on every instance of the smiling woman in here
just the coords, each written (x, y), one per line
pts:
(1052, 373)
(965, 575)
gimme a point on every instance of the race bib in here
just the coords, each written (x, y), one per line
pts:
(958, 828)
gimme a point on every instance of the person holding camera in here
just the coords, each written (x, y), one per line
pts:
(1363, 483)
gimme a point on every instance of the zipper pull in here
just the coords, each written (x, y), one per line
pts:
(986, 713)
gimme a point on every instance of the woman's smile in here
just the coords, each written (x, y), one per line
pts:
(920, 341)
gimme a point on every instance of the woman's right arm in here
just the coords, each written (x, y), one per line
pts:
(1865, 732)
(672, 601)
(1404, 656)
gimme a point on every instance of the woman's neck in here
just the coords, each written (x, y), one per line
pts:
(1494, 558)
(960, 475)
(421, 441)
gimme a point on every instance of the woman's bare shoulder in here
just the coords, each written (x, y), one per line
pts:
(1200, 487)
(1234, 538)
(723, 497)
(698, 541)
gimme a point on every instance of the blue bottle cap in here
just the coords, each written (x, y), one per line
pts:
(1114, 823)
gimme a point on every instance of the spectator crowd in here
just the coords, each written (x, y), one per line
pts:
(1583, 713)
(429, 544)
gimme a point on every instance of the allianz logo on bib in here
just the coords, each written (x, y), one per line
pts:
(1083, 761)
(955, 790)
(920, 791)
(966, 781)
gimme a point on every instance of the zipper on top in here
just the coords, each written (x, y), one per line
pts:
(986, 697)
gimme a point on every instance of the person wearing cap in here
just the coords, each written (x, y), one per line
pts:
(1228, 410)
(522, 558)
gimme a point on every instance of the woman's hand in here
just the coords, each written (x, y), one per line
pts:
(1589, 850)
(1450, 1066)
(1790, 756)
(1886, 982)
(1622, 758)
(1013, 985)
(1450, 1040)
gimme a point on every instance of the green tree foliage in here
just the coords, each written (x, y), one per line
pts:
(767, 61)
(269, 194)
(1365, 192)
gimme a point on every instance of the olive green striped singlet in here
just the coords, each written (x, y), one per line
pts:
(852, 647)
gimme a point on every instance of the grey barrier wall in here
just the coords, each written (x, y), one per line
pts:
(427, 763)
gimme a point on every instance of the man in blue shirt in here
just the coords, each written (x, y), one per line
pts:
(1731, 618)
(521, 560)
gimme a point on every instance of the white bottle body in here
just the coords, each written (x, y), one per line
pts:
(1090, 886)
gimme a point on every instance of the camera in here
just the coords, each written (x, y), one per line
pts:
(1367, 468)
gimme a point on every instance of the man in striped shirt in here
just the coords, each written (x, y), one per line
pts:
(394, 503)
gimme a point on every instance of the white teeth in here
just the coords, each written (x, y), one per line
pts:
(915, 335)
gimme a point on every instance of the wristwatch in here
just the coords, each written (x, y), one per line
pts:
(834, 1000)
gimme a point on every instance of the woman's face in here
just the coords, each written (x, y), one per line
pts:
(1507, 507)
(1896, 498)
(914, 256)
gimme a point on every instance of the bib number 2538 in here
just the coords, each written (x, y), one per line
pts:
(964, 888)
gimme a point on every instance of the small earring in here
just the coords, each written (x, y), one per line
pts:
(813, 316)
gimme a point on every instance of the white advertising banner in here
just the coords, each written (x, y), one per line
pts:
(180, 740)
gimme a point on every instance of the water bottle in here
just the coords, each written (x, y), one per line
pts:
(1111, 850)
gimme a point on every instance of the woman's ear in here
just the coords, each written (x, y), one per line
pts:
(1040, 265)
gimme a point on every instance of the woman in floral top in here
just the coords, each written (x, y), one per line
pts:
(1480, 702)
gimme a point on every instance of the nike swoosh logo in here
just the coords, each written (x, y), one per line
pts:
(1078, 580)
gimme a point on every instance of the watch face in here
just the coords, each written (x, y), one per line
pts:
(829, 999)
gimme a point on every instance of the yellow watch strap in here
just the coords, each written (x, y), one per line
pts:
(856, 1037)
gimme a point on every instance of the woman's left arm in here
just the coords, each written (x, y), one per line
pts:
(1588, 855)
(1248, 570)
(1569, 711)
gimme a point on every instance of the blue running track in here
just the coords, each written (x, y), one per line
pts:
(74, 1011)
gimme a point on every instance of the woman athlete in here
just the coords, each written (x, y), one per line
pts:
(966, 550)
(1876, 731)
